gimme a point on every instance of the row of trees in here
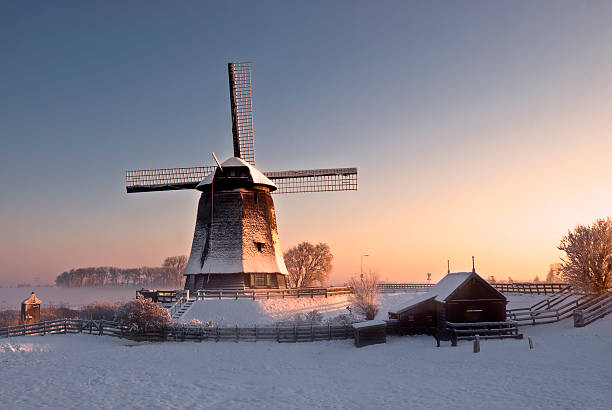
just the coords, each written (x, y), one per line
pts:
(169, 274)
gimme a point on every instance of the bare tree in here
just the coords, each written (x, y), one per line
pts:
(554, 270)
(588, 262)
(365, 292)
(308, 263)
(174, 266)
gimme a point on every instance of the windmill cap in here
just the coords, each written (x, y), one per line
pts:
(255, 175)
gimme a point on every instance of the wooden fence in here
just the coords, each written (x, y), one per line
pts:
(281, 334)
(594, 309)
(543, 288)
(169, 297)
(553, 309)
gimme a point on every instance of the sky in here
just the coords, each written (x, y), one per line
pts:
(479, 128)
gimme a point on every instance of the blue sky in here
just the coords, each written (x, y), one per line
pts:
(456, 113)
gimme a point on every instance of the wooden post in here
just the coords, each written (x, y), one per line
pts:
(237, 334)
(476, 344)
(530, 342)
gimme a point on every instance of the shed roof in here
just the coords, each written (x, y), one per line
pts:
(32, 300)
(442, 290)
(369, 323)
(234, 162)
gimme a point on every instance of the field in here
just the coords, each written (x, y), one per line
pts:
(11, 298)
(568, 368)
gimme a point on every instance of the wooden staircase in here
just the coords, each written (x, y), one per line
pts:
(180, 311)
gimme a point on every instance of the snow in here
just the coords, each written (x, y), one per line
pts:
(568, 368)
(416, 301)
(448, 284)
(246, 312)
(256, 175)
(11, 298)
(369, 323)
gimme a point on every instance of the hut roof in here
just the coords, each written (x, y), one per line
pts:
(443, 289)
(369, 323)
(256, 175)
(32, 300)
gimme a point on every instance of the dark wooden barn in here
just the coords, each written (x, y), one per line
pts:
(462, 297)
(30, 310)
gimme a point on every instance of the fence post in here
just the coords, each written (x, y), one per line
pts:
(530, 342)
(578, 318)
(476, 344)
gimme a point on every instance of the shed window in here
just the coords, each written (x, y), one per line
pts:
(259, 246)
(411, 318)
(429, 318)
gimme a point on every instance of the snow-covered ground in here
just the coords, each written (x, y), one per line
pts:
(11, 298)
(568, 369)
(246, 312)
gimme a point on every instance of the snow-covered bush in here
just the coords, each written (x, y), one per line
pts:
(588, 262)
(365, 292)
(143, 313)
(342, 319)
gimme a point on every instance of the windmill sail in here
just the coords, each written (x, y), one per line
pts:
(311, 180)
(242, 110)
(165, 179)
(314, 180)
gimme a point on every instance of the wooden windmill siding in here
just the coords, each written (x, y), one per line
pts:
(459, 298)
(235, 242)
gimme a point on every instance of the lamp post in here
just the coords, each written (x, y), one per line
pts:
(361, 267)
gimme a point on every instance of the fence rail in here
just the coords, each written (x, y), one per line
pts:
(281, 333)
(528, 287)
(170, 297)
(594, 309)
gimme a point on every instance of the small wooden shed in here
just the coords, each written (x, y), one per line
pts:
(30, 310)
(370, 332)
(462, 297)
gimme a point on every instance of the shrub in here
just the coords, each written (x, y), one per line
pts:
(9, 318)
(143, 313)
(99, 311)
(365, 291)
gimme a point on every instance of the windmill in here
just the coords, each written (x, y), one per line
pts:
(235, 242)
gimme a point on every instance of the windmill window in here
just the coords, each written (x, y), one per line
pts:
(260, 279)
(259, 246)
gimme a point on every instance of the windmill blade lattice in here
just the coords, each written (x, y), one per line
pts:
(310, 180)
(165, 179)
(314, 180)
(241, 101)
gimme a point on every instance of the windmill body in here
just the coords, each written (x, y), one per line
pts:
(235, 241)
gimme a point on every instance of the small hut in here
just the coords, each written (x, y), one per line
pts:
(462, 297)
(30, 310)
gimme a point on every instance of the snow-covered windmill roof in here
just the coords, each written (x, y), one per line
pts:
(256, 175)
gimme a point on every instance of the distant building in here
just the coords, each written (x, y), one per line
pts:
(30, 310)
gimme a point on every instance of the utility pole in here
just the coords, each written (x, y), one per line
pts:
(361, 267)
